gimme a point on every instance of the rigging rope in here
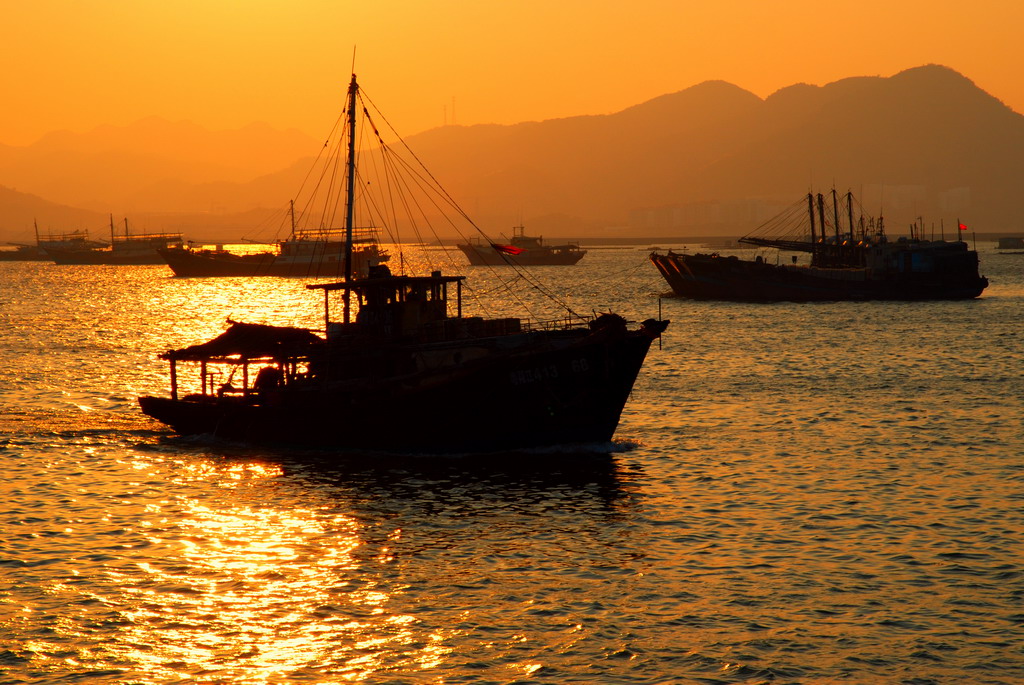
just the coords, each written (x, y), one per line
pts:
(426, 181)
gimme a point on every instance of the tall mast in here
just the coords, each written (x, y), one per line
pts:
(849, 214)
(353, 89)
(291, 213)
(821, 221)
(835, 215)
(810, 211)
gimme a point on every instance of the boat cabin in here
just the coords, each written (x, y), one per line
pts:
(392, 306)
(406, 309)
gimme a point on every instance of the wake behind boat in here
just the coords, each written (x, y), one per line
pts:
(402, 367)
(855, 262)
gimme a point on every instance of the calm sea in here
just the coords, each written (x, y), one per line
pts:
(797, 493)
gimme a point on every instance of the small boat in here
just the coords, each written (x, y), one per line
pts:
(403, 367)
(129, 248)
(306, 253)
(23, 253)
(521, 249)
(72, 241)
(855, 262)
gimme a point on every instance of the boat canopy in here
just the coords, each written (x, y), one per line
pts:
(249, 341)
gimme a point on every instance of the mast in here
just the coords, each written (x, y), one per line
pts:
(821, 218)
(353, 89)
(291, 213)
(835, 215)
(111, 230)
(849, 214)
(810, 211)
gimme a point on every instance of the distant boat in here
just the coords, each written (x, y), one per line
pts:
(855, 262)
(310, 253)
(129, 248)
(522, 249)
(23, 253)
(74, 240)
(1014, 243)
(400, 367)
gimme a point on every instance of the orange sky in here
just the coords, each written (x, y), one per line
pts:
(76, 64)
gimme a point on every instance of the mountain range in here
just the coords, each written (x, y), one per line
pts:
(925, 144)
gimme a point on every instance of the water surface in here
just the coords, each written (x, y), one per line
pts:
(798, 493)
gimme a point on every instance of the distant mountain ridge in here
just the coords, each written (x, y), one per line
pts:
(925, 142)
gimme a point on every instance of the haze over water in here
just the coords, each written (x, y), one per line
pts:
(797, 493)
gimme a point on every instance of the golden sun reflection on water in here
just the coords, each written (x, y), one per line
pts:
(257, 593)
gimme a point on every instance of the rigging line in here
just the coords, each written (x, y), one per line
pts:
(444, 193)
(326, 146)
(392, 164)
(388, 221)
(431, 191)
(391, 226)
(427, 171)
(318, 163)
(439, 191)
(329, 170)
(425, 190)
(394, 184)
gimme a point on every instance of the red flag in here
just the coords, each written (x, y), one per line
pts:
(963, 227)
(507, 249)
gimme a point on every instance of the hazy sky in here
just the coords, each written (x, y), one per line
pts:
(76, 64)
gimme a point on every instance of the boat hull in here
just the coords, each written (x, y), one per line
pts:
(484, 255)
(189, 264)
(712, 277)
(561, 396)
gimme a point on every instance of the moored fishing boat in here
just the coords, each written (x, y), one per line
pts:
(23, 253)
(523, 250)
(129, 248)
(306, 253)
(45, 242)
(858, 262)
(404, 368)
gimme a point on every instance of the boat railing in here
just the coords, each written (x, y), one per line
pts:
(242, 381)
(564, 323)
(363, 234)
(146, 240)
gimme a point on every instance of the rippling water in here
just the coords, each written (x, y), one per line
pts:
(798, 493)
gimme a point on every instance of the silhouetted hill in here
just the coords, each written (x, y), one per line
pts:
(129, 169)
(925, 142)
(712, 158)
(20, 211)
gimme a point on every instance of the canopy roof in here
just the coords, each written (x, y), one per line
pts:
(249, 341)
